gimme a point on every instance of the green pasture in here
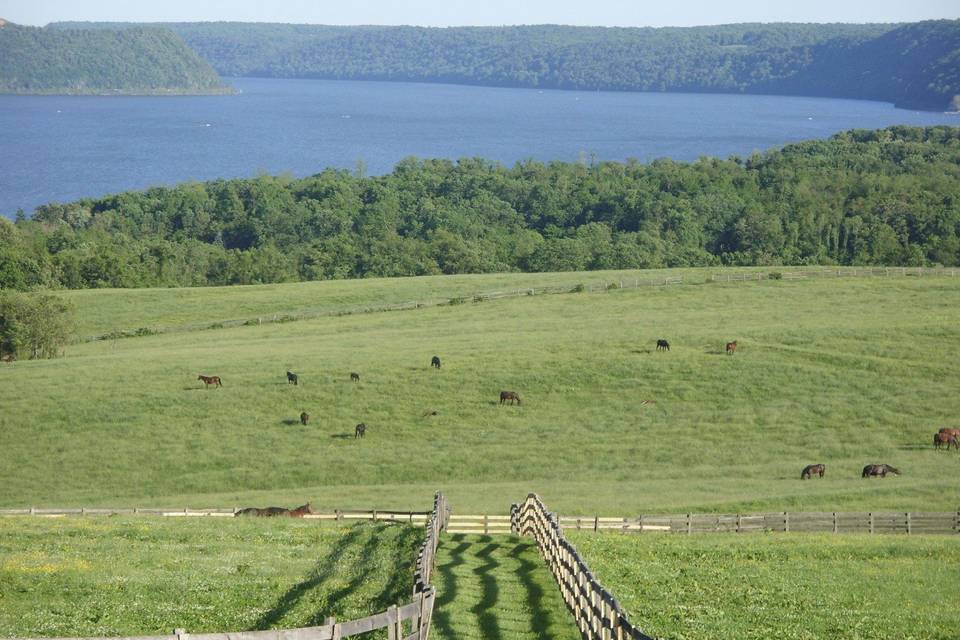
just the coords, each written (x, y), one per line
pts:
(496, 588)
(107, 310)
(789, 586)
(136, 576)
(845, 372)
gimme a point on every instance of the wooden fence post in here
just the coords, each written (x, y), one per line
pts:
(596, 522)
(909, 527)
(786, 522)
(871, 521)
(835, 528)
(689, 524)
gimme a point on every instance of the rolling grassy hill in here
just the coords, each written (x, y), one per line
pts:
(844, 372)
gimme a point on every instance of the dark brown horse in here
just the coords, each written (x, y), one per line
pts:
(811, 469)
(293, 379)
(210, 380)
(304, 418)
(944, 438)
(435, 362)
(354, 377)
(879, 470)
(509, 395)
(663, 345)
(732, 347)
(359, 431)
(270, 512)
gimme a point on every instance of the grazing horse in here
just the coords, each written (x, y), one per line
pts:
(359, 431)
(299, 512)
(435, 362)
(354, 377)
(732, 346)
(811, 469)
(945, 438)
(878, 470)
(509, 395)
(267, 512)
(304, 418)
(951, 432)
(210, 380)
(663, 345)
(9, 357)
(293, 379)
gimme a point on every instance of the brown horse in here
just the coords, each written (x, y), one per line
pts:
(811, 469)
(879, 470)
(210, 380)
(304, 418)
(732, 347)
(266, 512)
(945, 438)
(302, 510)
(950, 431)
(359, 431)
(509, 395)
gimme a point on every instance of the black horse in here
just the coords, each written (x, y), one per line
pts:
(292, 379)
(435, 362)
(811, 469)
(355, 377)
(359, 431)
(304, 418)
(879, 470)
(663, 345)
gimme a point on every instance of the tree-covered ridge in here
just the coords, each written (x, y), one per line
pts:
(101, 61)
(862, 197)
(913, 65)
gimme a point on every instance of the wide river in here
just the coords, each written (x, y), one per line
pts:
(59, 148)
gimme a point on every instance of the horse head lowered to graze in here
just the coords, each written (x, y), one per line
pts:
(811, 469)
(942, 438)
(210, 380)
(663, 345)
(435, 362)
(293, 379)
(732, 346)
(879, 470)
(509, 395)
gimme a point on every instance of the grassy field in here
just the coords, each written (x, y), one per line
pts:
(845, 372)
(496, 588)
(107, 310)
(789, 586)
(117, 576)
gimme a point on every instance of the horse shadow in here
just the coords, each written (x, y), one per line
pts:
(715, 352)
(914, 447)
(642, 352)
(290, 421)
(341, 436)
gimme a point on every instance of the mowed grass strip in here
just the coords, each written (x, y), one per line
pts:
(496, 587)
(789, 586)
(843, 372)
(142, 576)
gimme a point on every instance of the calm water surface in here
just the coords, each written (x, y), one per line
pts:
(59, 148)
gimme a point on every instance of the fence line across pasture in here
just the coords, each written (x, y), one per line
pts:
(900, 522)
(603, 285)
(376, 515)
(410, 621)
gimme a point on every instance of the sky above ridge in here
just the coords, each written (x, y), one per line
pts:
(626, 13)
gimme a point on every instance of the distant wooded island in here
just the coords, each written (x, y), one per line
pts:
(887, 197)
(142, 61)
(915, 65)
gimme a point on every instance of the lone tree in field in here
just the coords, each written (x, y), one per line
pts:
(34, 325)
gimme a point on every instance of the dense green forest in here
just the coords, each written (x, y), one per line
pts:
(912, 65)
(862, 197)
(100, 61)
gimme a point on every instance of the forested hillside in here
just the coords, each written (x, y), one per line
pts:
(862, 197)
(100, 61)
(914, 65)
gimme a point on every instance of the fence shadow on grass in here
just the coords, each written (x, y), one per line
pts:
(485, 610)
(448, 594)
(541, 619)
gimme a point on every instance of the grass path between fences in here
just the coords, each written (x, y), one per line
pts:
(496, 588)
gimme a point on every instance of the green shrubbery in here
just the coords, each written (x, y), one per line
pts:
(34, 325)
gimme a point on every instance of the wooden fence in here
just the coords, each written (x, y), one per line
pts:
(596, 612)
(837, 272)
(902, 522)
(482, 524)
(376, 515)
(410, 621)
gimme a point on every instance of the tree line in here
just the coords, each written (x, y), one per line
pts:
(886, 197)
(137, 60)
(914, 65)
